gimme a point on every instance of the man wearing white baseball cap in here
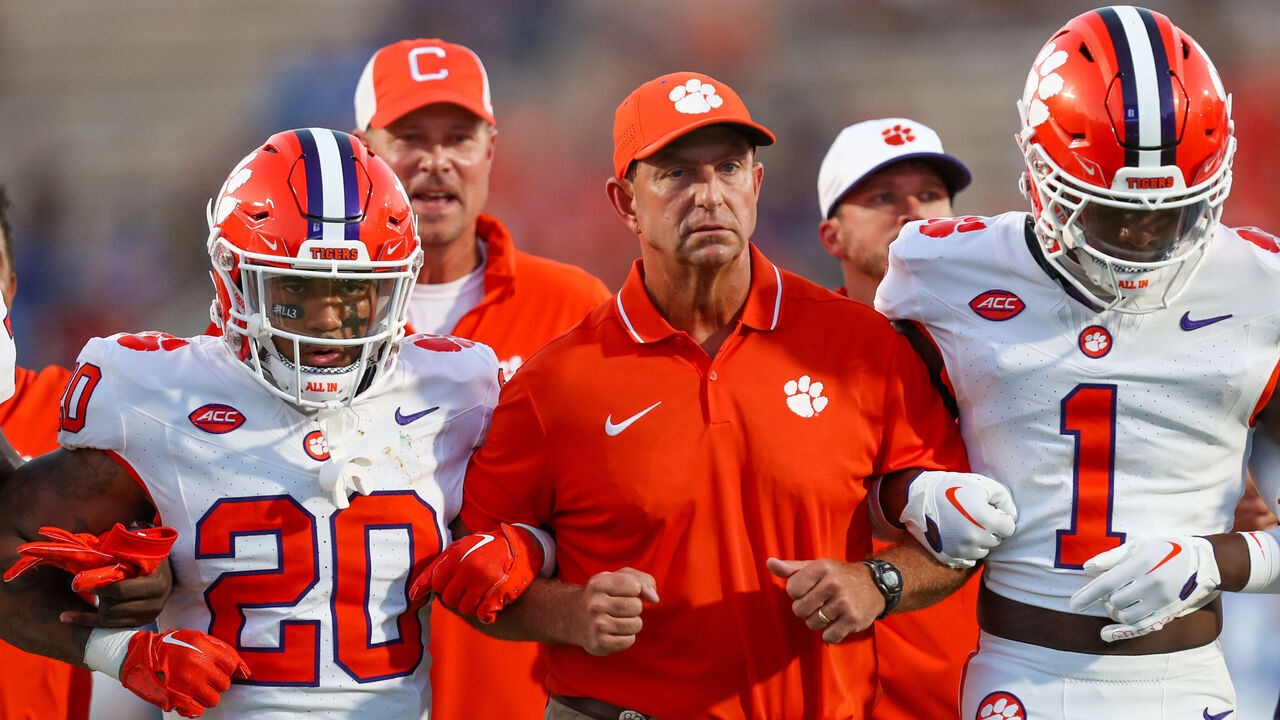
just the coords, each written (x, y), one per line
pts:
(424, 106)
(877, 176)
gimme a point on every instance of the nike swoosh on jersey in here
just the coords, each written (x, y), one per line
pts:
(487, 539)
(1218, 716)
(171, 640)
(1172, 553)
(406, 419)
(951, 498)
(612, 429)
(1186, 323)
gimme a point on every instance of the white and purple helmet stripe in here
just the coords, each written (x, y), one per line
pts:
(1150, 123)
(333, 186)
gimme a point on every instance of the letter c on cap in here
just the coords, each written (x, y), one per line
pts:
(416, 73)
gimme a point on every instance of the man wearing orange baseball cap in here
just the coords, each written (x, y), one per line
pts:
(425, 107)
(701, 448)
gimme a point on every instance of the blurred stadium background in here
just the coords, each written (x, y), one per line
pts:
(119, 119)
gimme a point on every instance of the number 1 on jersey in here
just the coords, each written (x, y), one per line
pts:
(1089, 413)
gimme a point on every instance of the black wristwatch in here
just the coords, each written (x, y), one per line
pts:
(888, 580)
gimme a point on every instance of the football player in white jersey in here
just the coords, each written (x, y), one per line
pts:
(310, 459)
(1109, 355)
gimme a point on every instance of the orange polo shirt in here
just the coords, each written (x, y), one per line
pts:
(922, 654)
(528, 300)
(638, 450)
(35, 687)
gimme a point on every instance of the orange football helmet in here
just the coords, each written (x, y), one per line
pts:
(315, 252)
(1127, 136)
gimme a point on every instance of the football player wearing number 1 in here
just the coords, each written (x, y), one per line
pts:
(1109, 354)
(310, 458)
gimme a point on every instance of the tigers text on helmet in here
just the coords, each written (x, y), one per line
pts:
(315, 252)
(1127, 135)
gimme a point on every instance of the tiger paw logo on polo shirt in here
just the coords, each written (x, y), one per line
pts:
(695, 97)
(804, 396)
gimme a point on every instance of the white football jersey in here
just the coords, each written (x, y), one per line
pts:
(314, 597)
(1106, 427)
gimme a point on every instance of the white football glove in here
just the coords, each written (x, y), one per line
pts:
(1148, 583)
(958, 517)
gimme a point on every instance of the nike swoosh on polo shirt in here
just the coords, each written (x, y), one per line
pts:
(611, 429)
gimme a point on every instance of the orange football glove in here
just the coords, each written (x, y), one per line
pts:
(97, 560)
(483, 572)
(182, 670)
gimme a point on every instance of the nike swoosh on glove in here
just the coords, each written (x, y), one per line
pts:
(97, 560)
(483, 572)
(182, 670)
(958, 517)
(1146, 584)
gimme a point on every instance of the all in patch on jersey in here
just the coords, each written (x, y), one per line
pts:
(316, 445)
(997, 305)
(216, 418)
(1000, 706)
(1095, 341)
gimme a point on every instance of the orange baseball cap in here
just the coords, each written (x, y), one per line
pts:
(665, 108)
(407, 75)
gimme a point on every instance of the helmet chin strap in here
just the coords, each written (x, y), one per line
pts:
(308, 383)
(1100, 281)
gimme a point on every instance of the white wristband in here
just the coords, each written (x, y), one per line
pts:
(1264, 562)
(106, 649)
(548, 549)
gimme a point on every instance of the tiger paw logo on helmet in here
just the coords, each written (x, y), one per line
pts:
(1000, 706)
(695, 97)
(1043, 83)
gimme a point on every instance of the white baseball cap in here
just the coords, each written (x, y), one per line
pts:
(869, 146)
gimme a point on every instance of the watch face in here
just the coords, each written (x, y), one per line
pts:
(892, 577)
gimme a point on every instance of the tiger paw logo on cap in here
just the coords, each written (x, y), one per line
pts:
(898, 135)
(695, 97)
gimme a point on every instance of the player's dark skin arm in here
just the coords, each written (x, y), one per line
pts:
(552, 612)
(81, 491)
(1229, 548)
(893, 499)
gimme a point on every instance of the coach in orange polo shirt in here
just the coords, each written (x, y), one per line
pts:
(701, 448)
(424, 106)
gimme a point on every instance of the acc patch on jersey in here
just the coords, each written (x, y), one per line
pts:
(216, 418)
(1000, 706)
(997, 305)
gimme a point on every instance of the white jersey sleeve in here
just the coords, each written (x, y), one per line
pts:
(91, 412)
(8, 357)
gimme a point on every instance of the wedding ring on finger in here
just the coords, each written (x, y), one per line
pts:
(822, 616)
